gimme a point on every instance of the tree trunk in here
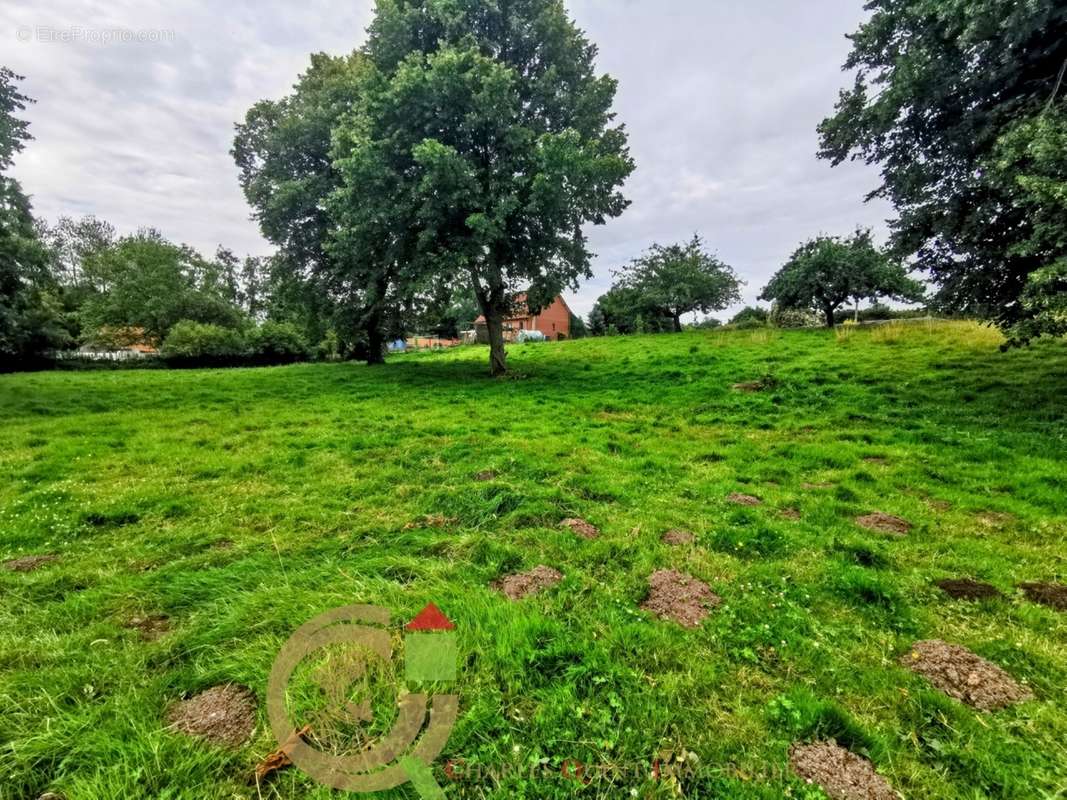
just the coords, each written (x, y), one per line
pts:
(677, 322)
(494, 321)
(828, 314)
(375, 339)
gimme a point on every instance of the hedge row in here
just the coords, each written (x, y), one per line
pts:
(196, 344)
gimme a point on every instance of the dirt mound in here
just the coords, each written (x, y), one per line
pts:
(961, 674)
(151, 627)
(1053, 595)
(967, 589)
(524, 584)
(744, 499)
(584, 529)
(884, 523)
(679, 597)
(223, 715)
(29, 563)
(749, 386)
(790, 513)
(678, 536)
(486, 475)
(842, 774)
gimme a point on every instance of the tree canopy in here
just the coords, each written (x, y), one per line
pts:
(147, 285)
(944, 98)
(826, 271)
(484, 145)
(624, 310)
(283, 152)
(27, 315)
(680, 278)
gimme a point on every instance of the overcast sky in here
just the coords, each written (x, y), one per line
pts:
(720, 98)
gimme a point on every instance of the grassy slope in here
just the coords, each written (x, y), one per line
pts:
(315, 472)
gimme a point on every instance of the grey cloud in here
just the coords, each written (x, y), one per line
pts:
(721, 101)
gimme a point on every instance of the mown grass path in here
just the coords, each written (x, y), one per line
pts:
(237, 504)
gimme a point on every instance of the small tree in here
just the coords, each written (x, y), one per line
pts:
(827, 271)
(578, 328)
(681, 278)
(598, 324)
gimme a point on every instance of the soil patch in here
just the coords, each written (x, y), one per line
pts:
(995, 519)
(821, 485)
(524, 584)
(584, 529)
(151, 627)
(967, 589)
(884, 523)
(677, 536)
(679, 597)
(1053, 595)
(430, 521)
(790, 513)
(744, 499)
(840, 773)
(223, 715)
(486, 475)
(749, 386)
(961, 674)
(29, 563)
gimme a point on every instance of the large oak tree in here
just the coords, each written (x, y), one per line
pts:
(485, 144)
(938, 86)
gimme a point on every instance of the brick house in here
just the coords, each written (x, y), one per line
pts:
(554, 320)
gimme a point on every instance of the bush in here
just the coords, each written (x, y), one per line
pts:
(329, 349)
(203, 344)
(750, 317)
(277, 343)
(793, 318)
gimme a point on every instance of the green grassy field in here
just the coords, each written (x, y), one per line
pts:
(241, 503)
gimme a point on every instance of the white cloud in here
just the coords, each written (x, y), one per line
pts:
(721, 101)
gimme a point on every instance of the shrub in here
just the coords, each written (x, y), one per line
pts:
(203, 344)
(750, 317)
(793, 318)
(329, 349)
(277, 343)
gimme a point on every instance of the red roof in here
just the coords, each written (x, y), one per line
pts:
(430, 619)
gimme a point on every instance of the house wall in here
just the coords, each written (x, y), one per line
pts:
(554, 320)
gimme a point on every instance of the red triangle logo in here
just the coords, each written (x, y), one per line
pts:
(430, 619)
